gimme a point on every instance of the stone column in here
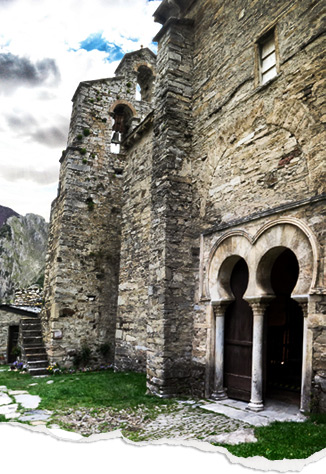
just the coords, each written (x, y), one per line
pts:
(258, 307)
(219, 318)
(305, 373)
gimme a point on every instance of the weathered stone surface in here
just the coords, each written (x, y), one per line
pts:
(84, 245)
(215, 166)
(7, 319)
(237, 437)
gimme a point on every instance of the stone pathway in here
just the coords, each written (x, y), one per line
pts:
(273, 411)
(226, 421)
(19, 405)
(188, 421)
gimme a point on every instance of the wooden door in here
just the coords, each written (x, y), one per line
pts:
(238, 338)
(12, 342)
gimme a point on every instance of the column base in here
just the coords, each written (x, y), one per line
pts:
(219, 395)
(255, 406)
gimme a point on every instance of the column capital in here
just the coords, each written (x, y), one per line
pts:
(302, 301)
(220, 306)
(259, 303)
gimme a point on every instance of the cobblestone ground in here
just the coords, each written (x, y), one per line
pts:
(188, 422)
(182, 421)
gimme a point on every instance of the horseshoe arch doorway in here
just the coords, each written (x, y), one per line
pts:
(283, 333)
(238, 337)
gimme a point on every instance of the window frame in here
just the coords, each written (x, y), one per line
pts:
(262, 40)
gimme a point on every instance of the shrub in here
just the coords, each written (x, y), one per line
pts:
(82, 357)
(105, 349)
(90, 203)
(16, 351)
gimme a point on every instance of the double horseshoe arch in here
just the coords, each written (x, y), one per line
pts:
(260, 252)
(288, 233)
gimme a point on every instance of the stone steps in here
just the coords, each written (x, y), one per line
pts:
(32, 341)
(33, 348)
(37, 372)
(31, 357)
(31, 332)
(38, 364)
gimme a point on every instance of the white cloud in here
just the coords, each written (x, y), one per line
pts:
(34, 116)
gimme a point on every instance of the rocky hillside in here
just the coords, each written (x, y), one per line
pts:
(23, 243)
(6, 212)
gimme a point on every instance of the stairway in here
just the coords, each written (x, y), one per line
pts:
(33, 350)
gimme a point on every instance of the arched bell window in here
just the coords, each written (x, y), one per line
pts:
(145, 81)
(122, 120)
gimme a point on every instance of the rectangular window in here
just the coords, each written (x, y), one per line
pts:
(267, 57)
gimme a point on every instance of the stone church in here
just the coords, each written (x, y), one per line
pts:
(188, 233)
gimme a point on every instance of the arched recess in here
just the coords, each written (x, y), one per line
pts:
(269, 243)
(284, 325)
(238, 336)
(122, 114)
(224, 255)
(261, 253)
(145, 82)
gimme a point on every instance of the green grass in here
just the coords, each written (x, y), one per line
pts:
(116, 390)
(285, 440)
(127, 391)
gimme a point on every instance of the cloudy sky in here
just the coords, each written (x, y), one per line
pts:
(46, 48)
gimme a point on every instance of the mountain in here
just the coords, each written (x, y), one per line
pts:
(6, 212)
(23, 241)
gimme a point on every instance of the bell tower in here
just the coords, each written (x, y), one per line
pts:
(82, 268)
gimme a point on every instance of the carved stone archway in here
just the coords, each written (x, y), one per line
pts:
(259, 251)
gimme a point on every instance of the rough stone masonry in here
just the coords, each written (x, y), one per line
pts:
(203, 194)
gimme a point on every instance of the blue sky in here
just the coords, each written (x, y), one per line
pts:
(46, 48)
(96, 41)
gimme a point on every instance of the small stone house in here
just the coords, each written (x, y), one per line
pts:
(10, 322)
(21, 331)
(188, 233)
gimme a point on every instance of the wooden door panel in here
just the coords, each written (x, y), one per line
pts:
(238, 386)
(238, 338)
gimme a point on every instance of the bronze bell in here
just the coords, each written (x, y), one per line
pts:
(116, 138)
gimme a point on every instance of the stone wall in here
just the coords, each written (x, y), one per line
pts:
(252, 141)
(131, 328)
(220, 153)
(171, 250)
(84, 246)
(255, 147)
